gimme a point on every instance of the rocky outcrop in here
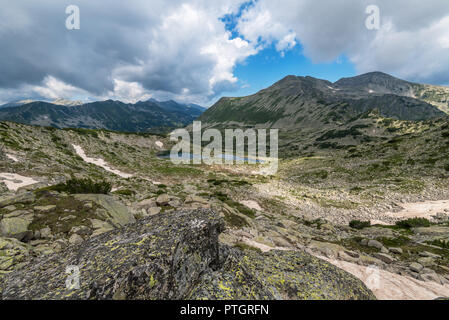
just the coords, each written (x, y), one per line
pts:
(14, 228)
(12, 253)
(48, 221)
(177, 255)
(114, 212)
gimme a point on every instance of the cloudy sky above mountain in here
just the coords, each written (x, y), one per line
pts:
(199, 50)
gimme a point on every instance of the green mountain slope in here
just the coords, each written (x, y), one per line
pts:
(305, 102)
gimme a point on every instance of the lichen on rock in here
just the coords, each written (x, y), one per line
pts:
(177, 255)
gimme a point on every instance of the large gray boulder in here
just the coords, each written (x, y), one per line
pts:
(114, 212)
(27, 198)
(16, 228)
(177, 255)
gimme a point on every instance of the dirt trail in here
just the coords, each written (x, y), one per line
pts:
(263, 247)
(385, 285)
(425, 209)
(389, 286)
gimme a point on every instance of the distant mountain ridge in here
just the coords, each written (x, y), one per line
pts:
(142, 116)
(308, 102)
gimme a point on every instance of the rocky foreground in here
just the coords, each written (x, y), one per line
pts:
(178, 256)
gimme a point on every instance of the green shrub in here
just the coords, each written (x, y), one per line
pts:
(82, 186)
(413, 223)
(243, 246)
(241, 208)
(235, 221)
(221, 196)
(439, 243)
(125, 192)
(357, 224)
(2, 153)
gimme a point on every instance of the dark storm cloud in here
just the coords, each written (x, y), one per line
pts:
(181, 49)
(35, 43)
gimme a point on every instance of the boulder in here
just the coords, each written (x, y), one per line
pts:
(100, 227)
(75, 239)
(368, 261)
(429, 254)
(10, 208)
(44, 249)
(327, 249)
(416, 267)
(384, 257)
(396, 250)
(153, 211)
(45, 233)
(19, 213)
(342, 255)
(16, 228)
(114, 212)
(147, 203)
(163, 200)
(45, 209)
(441, 216)
(178, 256)
(427, 271)
(430, 277)
(375, 244)
(427, 261)
(27, 198)
(81, 231)
(12, 252)
(195, 199)
(175, 203)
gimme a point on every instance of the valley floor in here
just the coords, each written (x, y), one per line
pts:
(301, 208)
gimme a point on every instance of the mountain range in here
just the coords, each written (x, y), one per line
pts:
(112, 115)
(304, 107)
(304, 102)
(313, 114)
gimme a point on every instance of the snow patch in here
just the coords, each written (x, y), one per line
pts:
(251, 204)
(14, 181)
(99, 162)
(159, 144)
(13, 158)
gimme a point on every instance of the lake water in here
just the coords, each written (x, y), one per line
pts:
(190, 156)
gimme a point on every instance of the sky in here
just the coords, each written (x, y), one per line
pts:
(200, 50)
